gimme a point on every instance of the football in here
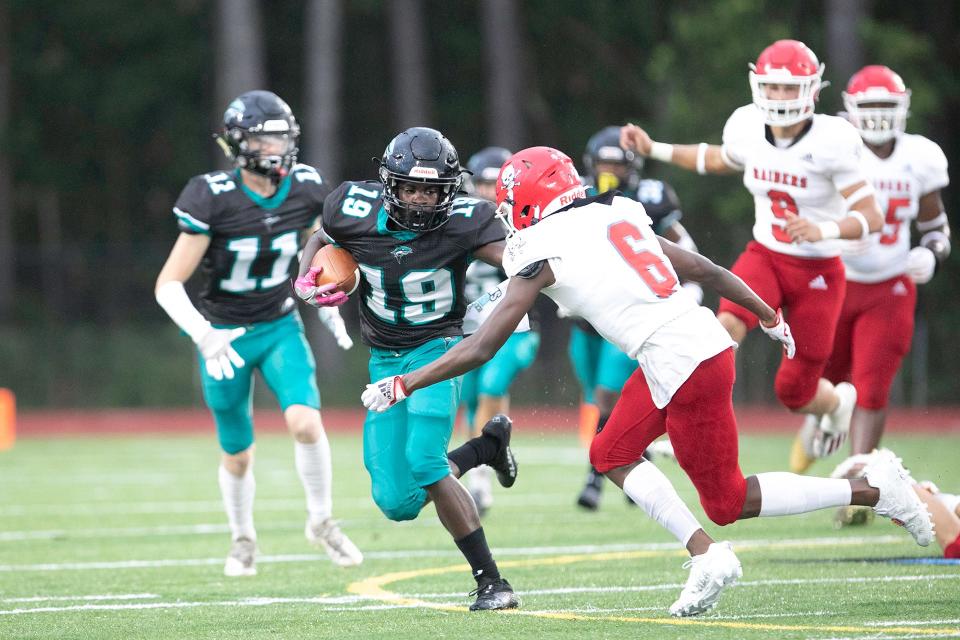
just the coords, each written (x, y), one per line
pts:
(339, 268)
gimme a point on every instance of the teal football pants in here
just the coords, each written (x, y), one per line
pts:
(279, 350)
(405, 448)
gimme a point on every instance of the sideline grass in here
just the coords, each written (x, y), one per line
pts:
(125, 537)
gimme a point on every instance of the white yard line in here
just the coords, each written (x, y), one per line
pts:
(118, 596)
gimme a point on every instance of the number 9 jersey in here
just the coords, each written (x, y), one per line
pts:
(412, 284)
(253, 241)
(803, 178)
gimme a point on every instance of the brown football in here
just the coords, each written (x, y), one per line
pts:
(339, 268)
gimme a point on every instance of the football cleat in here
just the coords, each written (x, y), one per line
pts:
(589, 497)
(710, 574)
(852, 516)
(837, 422)
(898, 501)
(853, 466)
(338, 546)
(801, 454)
(242, 559)
(504, 463)
(494, 594)
(480, 490)
(660, 449)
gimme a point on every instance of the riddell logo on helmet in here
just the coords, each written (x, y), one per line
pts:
(424, 172)
(570, 196)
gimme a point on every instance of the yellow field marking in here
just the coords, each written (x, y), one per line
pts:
(374, 587)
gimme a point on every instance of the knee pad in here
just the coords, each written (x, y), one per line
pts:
(397, 508)
(598, 455)
(796, 382)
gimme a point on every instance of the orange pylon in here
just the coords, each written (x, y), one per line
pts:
(8, 419)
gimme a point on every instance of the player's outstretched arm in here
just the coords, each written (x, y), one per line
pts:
(702, 158)
(469, 354)
(484, 344)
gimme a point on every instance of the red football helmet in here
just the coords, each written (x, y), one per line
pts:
(786, 62)
(877, 103)
(534, 183)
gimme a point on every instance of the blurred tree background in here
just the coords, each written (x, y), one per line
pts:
(107, 109)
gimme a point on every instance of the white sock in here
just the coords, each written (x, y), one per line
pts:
(238, 492)
(651, 490)
(784, 494)
(316, 474)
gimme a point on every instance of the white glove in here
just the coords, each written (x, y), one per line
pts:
(781, 333)
(383, 394)
(921, 263)
(825, 444)
(219, 356)
(330, 317)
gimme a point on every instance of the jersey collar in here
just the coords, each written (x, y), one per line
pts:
(768, 134)
(383, 230)
(274, 201)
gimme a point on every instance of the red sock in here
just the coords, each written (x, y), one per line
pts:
(953, 549)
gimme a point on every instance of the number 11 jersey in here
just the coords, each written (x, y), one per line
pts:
(411, 286)
(804, 178)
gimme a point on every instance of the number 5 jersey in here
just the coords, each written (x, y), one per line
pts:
(412, 284)
(804, 177)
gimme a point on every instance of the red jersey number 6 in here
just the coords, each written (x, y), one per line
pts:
(627, 239)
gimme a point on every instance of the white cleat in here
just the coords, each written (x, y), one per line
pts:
(837, 423)
(853, 466)
(660, 449)
(338, 546)
(898, 501)
(710, 574)
(481, 488)
(242, 559)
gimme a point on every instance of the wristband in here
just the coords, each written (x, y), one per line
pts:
(864, 226)
(701, 158)
(661, 151)
(829, 230)
(930, 225)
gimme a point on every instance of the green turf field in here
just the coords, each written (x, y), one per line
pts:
(125, 538)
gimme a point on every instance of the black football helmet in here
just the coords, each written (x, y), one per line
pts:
(256, 119)
(423, 156)
(484, 166)
(604, 146)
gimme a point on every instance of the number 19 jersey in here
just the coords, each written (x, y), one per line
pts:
(412, 284)
(804, 178)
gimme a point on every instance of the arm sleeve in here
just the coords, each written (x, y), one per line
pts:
(732, 148)
(843, 159)
(194, 207)
(932, 167)
(489, 228)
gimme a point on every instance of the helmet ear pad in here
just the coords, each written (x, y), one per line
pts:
(420, 155)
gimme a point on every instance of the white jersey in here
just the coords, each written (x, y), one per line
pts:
(805, 178)
(916, 167)
(611, 271)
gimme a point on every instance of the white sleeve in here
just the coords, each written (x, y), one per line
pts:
(931, 167)
(843, 157)
(732, 149)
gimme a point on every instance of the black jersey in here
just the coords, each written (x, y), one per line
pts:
(658, 198)
(253, 241)
(412, 284)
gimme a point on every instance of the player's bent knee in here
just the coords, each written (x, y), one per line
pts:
(428, 472)
(796, 391)
(397, 508)
(599, 456)
(722, 513)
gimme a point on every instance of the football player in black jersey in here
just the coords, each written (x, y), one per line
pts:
(601, 368)
(485, 391)
(243, 229)
(412, 236)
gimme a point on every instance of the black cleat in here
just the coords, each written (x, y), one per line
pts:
(589, 498)
(504, 463)
(494, 594)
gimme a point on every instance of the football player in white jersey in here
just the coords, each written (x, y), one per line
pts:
(599, 259)
(876, 322)
(803, 169)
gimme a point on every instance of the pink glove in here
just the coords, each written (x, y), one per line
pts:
(325, 295)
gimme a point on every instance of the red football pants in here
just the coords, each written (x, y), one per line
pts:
(810, 291)
(873, 336)
(702, 428)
